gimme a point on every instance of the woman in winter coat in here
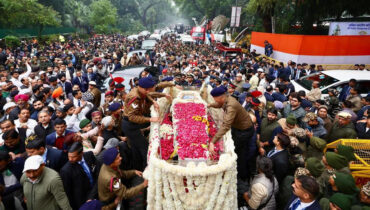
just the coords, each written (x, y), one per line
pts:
(264, 186)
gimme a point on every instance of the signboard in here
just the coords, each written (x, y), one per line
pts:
(235, 16)
(228, 37)
(349, 28)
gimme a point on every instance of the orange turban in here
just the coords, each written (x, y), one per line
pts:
(57, 92)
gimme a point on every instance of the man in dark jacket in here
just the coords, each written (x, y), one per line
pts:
(280, 157)
(81, 81)
(280, 95)
(305, 192)
(268, 94)
(10, 169)
(90, 75)
(363, 129)
(268, 48)
(13, 144)
(53, 158)
(80, 176)
(66, 85)
(58, 138)
(269, 126)
(299, 72)
(274, 72)
(345, 92)
(44, 127)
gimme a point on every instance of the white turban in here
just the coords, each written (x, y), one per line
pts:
(8, 105)
(106, 121)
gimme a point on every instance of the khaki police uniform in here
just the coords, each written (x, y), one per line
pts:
(110, 186)
(239, 121)
(136, 116)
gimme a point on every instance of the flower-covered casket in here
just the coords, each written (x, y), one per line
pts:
(182, 174)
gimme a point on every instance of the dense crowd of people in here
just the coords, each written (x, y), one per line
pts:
(66, 145)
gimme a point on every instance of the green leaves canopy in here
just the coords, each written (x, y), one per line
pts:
(27, 12)
(103, 16)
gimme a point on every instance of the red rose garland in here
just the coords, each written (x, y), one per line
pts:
(166, 141)
(192, 136)
(212, 130)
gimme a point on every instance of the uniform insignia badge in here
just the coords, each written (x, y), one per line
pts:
(134, 106)
(116, 184)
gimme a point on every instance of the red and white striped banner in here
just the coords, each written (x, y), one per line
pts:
(315, 49)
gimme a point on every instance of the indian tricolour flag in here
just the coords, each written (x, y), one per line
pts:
(315, 49)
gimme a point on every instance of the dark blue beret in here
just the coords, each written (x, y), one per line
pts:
(113, 107)
(218, 91)
(167, 79)
(110, 155)
(146, 82)
(91, 205)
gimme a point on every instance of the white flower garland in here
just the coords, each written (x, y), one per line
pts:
(209, 186)
(167, 194)
(165, 130)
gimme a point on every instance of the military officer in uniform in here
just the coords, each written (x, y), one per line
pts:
(136, 116)
(110, 188)
(240, 122)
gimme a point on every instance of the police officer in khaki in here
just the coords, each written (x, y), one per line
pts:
(239, 121)
(110, 188)
(136, 116)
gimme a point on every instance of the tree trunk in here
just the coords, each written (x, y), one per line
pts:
(267, 25)
(143, 18)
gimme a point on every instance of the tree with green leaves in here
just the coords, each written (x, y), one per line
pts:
(309, 12)
(208, 8)
(148, 12)
(23, 13)
(103, 16)
(43, 17)
(78, 15)
(303, 13)
(265, 9)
